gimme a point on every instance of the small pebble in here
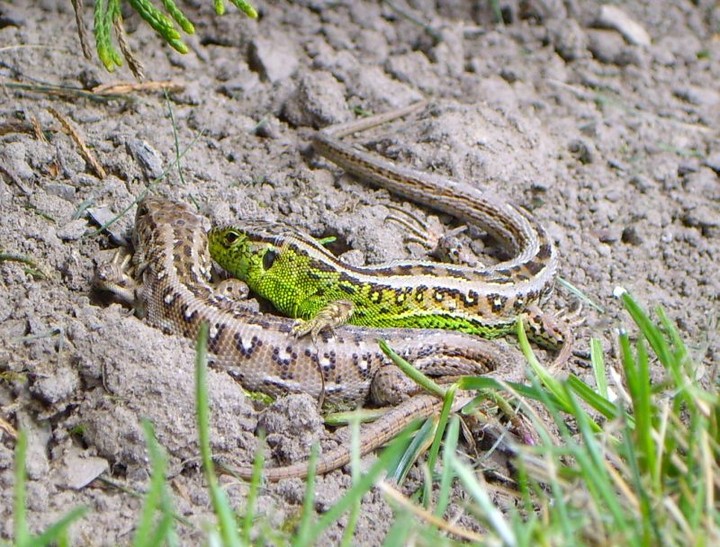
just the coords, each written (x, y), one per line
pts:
(73, 230)
(582, 150)
(613, 17)
(705, 217)
(607, 236)
(630, 236)
(274, 59)
(147, 157)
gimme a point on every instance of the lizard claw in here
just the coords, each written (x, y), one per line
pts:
(333, 315)
(116, 277)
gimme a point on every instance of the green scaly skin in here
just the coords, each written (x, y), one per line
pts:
(300, 278)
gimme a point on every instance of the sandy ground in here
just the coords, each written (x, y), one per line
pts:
(607, 132)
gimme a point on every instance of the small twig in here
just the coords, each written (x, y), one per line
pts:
(134, 63)
(123, 88)
(8, 428)
(82, 30)
(84, 150)
(15, 179)
(16, 127)
(39, 135)
(59, 91)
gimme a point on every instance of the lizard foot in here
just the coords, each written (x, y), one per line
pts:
(116, 277)
(333, 315)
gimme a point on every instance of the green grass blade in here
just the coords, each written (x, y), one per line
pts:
(546, 379)
(598, 367)
(442, 423)
(446, 478)
(144, 535)
(572, 289)
(485, 383)
(650, 331)
(303, 536)
(644, 411)
(591, 459)
(221, 506)
(255, 483)
(57, 529)
(592, 398)
(399, 470)
(493, 516)
(399, 530)
(410, 371)
(363, 485)
(681, 365)
(630, 452)
(22, 535)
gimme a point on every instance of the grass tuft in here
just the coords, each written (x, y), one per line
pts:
(629, 461)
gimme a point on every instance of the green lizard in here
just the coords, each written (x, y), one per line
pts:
(304, 280)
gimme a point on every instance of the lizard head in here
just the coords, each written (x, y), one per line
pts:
(243, 257)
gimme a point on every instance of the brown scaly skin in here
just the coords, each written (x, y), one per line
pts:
(303, 280)
(345, 367)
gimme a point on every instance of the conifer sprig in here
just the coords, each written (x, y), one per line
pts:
(108, 17)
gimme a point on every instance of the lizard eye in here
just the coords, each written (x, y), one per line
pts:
(269, 258)
(231, 237)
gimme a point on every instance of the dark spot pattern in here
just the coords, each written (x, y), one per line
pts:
(420, 291)
(358, 314)
(348, 289)
(215, 342)
(269, 258)
(247, 352)
(188, 317)
(472, 298)
(505, 276)
(167, 292)
(497, 302)
(323, 265)
(544, 252)
(366, 371)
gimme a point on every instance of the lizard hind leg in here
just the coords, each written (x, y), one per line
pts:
(551, 332)
(117, 278)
